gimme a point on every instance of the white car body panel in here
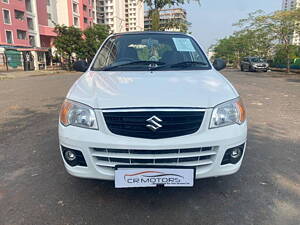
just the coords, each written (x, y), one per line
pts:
(111, 89)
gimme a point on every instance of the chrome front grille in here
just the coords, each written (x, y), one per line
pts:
(175, 157)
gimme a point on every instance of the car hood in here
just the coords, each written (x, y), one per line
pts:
(121, 89)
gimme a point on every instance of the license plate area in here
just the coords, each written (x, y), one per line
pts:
(153, 176)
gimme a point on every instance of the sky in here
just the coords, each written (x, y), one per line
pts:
(213, 19)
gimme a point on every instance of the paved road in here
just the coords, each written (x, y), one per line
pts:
(35, 189)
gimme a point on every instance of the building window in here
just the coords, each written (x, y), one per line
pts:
(85, 20)
(76, 21)
(19, 15)
(32, 41)
(75, 8)
(90, 13)
(6, 15)
(21, 34)
(9, 37)
(28, 5)
(48, 2)
(30, 23)
(5, 1)
(49, 16)
(84, 8)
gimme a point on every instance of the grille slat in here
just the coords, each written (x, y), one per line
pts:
(152, 156)
(174, 123)
(192, 163)
(186, 157)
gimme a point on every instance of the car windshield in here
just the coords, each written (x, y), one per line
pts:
(257, 60)
(150, 51)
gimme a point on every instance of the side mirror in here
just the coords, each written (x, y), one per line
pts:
(81, 66)
(219, 64)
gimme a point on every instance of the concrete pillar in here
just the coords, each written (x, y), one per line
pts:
(35, 60)
(45, 61)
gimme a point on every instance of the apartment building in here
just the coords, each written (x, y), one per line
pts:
(78, 13)
(30, 23)
(121, 16)
(290, 5)
(27, 26)
(177, 15)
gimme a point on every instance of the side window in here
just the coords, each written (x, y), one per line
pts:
(107, 54)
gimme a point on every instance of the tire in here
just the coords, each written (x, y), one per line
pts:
(242, 68)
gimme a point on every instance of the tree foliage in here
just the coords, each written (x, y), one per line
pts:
(262, 35)
(68, 41)
(72, 43)
(93, 38)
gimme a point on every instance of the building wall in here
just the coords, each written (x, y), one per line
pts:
(63, 15)
(290, 5)
(42, 12)
(67, 15)
(176, 14)
(15, 24)
(121, 16)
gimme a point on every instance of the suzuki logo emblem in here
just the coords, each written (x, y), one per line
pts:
(154, 123)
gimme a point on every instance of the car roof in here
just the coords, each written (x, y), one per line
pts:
(149, 32)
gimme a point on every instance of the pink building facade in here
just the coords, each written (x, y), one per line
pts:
(13, 23)
(30, 23)
(27, 26)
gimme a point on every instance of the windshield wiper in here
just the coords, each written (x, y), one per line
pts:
(180, 64)
(151, 64)
(188, 64)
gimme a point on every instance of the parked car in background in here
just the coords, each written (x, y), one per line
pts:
(254, 64)
(152, 110)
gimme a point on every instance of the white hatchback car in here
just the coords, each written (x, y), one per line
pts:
(152, 110)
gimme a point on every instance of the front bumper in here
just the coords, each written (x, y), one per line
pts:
(260, 68)
(85, 140)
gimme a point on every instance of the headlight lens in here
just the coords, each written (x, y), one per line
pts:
(79, 115)
(228, 113)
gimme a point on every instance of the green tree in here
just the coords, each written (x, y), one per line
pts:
(280, 55)
(68, 42)
(235, 47)
(277, 28)
(93, 38)
(175, 24)
(156, 5)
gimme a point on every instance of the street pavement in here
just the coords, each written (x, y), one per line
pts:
(35, 189)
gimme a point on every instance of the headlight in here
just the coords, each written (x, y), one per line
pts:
(76, 114)
(228, 113)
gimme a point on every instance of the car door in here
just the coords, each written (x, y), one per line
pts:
(247, 64)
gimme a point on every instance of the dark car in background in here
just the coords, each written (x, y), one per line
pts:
(254, 64)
